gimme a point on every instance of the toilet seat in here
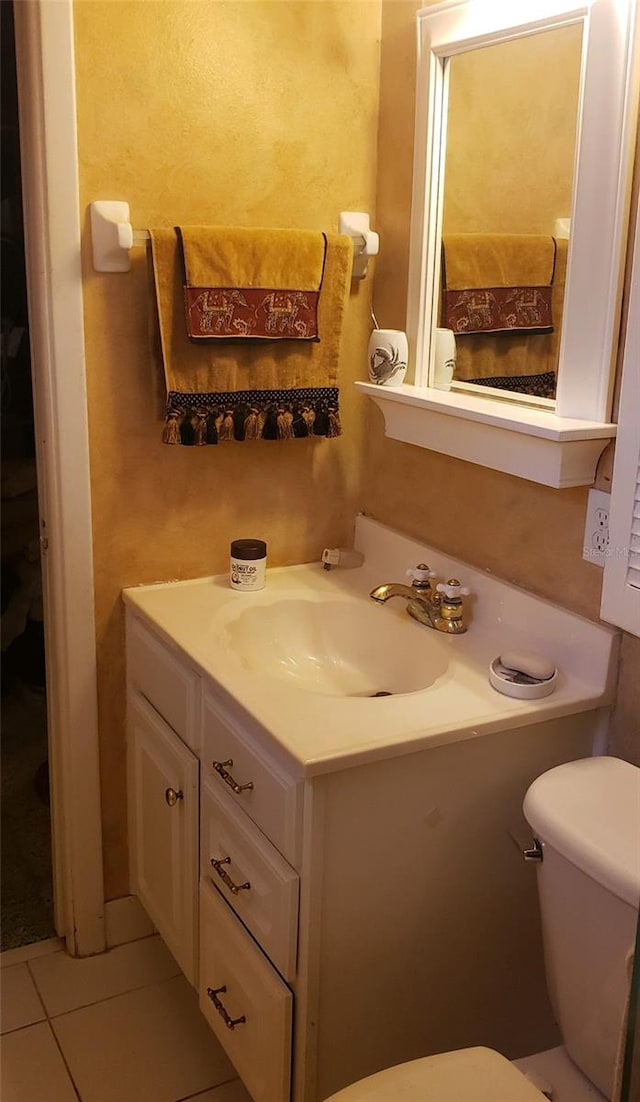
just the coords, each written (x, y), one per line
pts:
(469, 1074)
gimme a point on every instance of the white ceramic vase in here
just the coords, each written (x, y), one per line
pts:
(388, 354)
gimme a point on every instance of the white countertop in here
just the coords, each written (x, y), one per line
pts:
(317, 733)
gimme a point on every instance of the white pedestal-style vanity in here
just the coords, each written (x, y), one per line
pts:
(339, 873)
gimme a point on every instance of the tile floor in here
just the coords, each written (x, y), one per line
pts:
(120, 1027)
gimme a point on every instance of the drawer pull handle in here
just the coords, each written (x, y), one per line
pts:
(224, 875)
(219, 767)
(230, 1023)
(172, 797)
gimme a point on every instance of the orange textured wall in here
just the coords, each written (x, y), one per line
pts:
(252, 113)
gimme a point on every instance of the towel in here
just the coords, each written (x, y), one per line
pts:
(249, 389)
(497, 283)
(246, 283)
(522, 361)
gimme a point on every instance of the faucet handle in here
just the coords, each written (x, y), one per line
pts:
(421, 573)
(452, 589)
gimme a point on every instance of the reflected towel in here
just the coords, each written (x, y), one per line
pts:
(240, 390)
(521, 355)
(497, 283)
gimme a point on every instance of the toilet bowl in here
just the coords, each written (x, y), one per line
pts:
(586, 819)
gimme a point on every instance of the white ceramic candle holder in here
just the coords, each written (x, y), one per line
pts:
(388, 354)
(445, 358)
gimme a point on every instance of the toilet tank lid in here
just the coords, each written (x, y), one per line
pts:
(589, 811)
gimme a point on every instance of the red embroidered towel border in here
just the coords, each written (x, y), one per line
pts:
(498, 310)
(498, 283)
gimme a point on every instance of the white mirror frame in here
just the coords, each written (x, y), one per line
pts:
(600, 208)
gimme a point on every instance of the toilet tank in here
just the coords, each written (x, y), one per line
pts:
(586, 814)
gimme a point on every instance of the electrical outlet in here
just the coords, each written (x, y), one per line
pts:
(596, 529)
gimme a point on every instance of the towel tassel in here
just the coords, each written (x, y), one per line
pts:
(195, 420)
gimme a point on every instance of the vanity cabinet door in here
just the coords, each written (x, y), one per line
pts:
(163, 830)
(244, 1001)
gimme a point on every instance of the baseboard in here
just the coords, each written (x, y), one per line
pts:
(126, 920)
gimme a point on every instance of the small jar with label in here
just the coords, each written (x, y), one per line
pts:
(248, 564)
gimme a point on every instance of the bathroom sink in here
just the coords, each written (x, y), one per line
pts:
(335, 647)
(299, 661)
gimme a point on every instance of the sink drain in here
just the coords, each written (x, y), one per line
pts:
(381, 692)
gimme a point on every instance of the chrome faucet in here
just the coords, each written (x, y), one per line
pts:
(441, 609)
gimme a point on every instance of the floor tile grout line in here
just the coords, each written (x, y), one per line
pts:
(64, 1060)
(37, 989)
(47, 1023)
(199, 1094)
(130, 941)
(18, 950)
(52, 1017)
(21, 1028)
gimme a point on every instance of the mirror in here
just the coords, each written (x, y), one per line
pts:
(511, 132)
(575, 145)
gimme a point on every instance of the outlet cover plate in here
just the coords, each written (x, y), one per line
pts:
(596, 529)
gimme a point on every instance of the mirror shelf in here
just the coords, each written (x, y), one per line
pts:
(528, 443)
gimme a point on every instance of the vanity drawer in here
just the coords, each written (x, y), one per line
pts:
(165, 681)
(242, 855)
(271, 797)
(235, 973)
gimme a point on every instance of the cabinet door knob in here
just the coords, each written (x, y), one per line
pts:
(220, 769)
(224, 875)
(230, 1023)
(172, 797)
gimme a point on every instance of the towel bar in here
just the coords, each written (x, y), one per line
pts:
(112, 236)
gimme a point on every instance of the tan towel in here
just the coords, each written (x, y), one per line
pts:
(497, 283)
(521, 361)
(245, 283)
(247, 389)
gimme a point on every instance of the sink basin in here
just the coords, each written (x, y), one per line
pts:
(336, 647)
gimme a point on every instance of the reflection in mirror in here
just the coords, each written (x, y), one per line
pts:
(511, 129)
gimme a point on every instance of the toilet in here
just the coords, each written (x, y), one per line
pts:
(585, 816)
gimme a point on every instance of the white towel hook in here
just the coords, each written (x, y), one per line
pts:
(112, 236)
